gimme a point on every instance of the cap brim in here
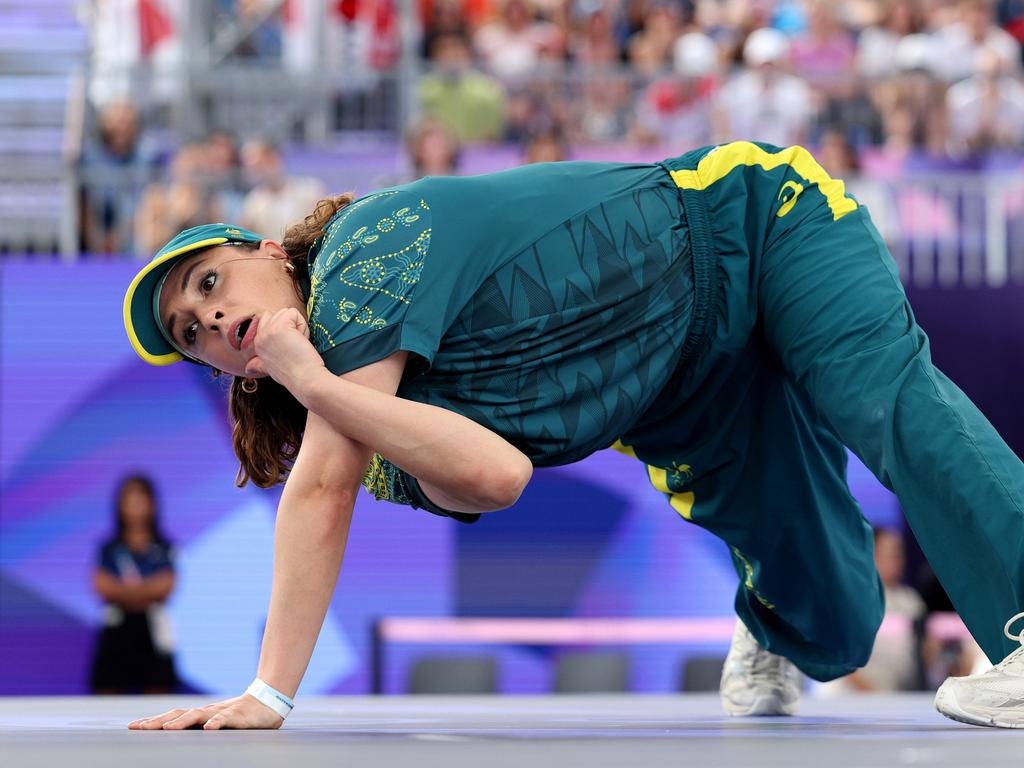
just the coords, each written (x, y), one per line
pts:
(145, 336)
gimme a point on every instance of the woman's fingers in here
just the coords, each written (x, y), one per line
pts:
(278, 352)
(218, 721)
(282, 321)
(189, 718)
(304, 326)
(242, 712)
(181, 717)
(152, 723)
(299, 321)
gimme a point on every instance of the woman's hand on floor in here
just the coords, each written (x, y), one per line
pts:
(240, 712)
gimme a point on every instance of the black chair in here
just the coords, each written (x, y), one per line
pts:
(701, 673)
(592, 673)
(454, 675)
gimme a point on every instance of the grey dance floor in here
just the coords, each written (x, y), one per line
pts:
(487, 732)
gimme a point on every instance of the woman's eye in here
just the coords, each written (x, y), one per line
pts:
(208, 282)
(190, 334)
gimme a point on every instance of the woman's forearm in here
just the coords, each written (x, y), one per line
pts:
(309, 542)
(440, 447)
(131, 596)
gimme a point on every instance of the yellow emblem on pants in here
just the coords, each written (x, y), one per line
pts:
(794, 189)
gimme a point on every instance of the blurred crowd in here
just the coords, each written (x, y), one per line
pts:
(879, 88)
(937, 78)
(134, 200)
(936, 75)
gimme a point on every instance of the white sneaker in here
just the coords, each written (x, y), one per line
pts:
(756, 682)
(995, 697)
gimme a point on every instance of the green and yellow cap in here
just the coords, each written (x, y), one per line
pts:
(142, 301)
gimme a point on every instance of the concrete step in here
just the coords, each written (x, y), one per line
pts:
(30, 140)
(30, 217)
(19, 170)
(34, 88)
(16, 63)
(15, 113)
(30, 39)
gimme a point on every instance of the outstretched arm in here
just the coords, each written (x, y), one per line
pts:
(309, 542)
(310, 535)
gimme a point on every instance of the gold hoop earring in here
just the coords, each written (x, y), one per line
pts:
(289, 267)
(249, 386)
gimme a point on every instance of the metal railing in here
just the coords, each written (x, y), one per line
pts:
(964, 230)
(942, 230)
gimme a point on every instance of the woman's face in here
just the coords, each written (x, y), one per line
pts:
(436, 154)
(136, 506)
(209, 300)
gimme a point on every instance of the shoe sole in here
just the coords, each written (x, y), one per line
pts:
(947, 705)
(762, 706)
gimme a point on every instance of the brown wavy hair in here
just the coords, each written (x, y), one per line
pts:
(267, 425)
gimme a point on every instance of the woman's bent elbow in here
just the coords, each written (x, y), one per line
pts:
(510, 486)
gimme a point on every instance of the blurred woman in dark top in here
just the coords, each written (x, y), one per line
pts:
(135, 576)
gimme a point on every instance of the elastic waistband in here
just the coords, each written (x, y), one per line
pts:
(705, 272)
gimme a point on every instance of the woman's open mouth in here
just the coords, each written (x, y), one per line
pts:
(240, 331)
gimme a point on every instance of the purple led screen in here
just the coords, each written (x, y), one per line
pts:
(79, 411)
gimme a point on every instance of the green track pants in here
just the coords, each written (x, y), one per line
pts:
(806, 344)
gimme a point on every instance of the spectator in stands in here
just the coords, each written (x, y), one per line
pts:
(275, 199)
(184, 201)
(730, 25)
(469, 102)
(546, 147)
(678, 109)
(912, 106)
(535, 107)
(650, 49)
(593, 43)
(893, 665)
(114, 168)
(986, 111)
(839, 158)
(135, 577)
(444, 17)
(955, 53)
(433, 150)
(944, 656)
(513, 44)
(854, 113)
(224, 173)
(604, 109)
(876, 45)
(823, 55)
(764, 100)
(262, 24)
